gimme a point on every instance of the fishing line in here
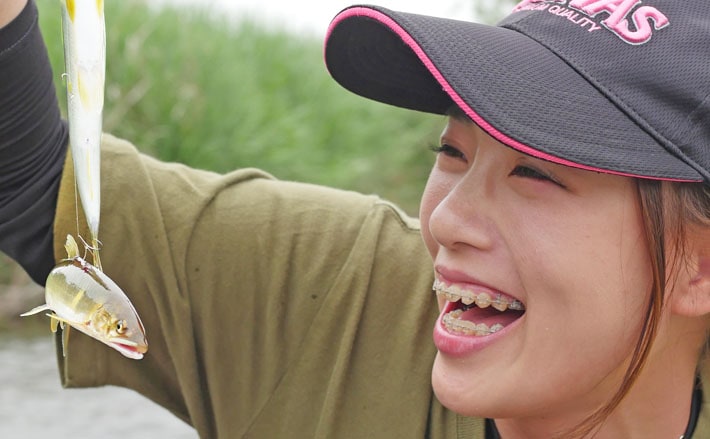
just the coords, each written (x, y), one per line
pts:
(87, 247)
(76, 204)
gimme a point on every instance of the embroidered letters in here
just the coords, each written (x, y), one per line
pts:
(631, 21)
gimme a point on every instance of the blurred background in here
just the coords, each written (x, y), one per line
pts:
(218, 85)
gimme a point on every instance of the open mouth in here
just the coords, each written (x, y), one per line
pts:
(476, 313)
(129, 349)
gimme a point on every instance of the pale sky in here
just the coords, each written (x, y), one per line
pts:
(314, 15)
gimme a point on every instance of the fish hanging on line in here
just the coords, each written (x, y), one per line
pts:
(84, 32)
(78, 293)
(83, 297)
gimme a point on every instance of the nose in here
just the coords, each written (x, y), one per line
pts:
(461, 219)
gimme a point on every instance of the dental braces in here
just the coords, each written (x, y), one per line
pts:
(482, 300)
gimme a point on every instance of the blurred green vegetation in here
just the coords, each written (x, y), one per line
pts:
(187, 86)
(216, 94)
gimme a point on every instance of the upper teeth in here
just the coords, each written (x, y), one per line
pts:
(453, 293)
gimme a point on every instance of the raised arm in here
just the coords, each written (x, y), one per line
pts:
(10, 9)
(33, 141)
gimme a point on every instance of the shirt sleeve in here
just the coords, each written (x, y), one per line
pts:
(271, 308)
(33, 141)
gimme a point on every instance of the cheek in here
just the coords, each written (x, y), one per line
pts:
(606, 260)
(591, 275)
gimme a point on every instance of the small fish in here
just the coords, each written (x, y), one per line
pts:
(83, 297)
(84, 32)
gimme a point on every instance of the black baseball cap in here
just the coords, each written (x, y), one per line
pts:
(616, 86)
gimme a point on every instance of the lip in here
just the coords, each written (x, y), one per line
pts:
(460, 345)
(130, 351)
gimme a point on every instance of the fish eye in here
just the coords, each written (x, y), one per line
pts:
(121, 326)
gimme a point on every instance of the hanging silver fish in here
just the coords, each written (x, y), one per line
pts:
(84, 31)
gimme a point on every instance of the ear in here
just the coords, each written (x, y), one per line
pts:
(691, 282)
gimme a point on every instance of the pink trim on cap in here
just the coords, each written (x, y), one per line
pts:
(490, 129)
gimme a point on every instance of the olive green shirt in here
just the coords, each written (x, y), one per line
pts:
(272, 309)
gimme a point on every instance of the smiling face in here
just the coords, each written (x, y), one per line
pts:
(566, 244)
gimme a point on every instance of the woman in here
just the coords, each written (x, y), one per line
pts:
(567, 217)
(611, 270)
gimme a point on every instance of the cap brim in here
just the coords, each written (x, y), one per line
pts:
(514, 88)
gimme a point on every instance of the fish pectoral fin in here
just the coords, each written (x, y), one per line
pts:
(55, 318)
(36, 310)
(53, 323)
(65, 340)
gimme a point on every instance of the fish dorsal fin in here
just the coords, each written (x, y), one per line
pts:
(71, 247)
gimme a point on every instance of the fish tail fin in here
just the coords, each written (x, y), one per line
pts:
(35, 310)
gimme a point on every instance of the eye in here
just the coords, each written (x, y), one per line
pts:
(448, 151)
(525, 171)
(120, 326)
(528, 172)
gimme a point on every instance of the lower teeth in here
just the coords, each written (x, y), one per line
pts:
(453, 323)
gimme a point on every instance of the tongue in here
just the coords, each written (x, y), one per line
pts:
(490, 316)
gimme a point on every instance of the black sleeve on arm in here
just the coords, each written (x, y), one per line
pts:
(33, 140)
